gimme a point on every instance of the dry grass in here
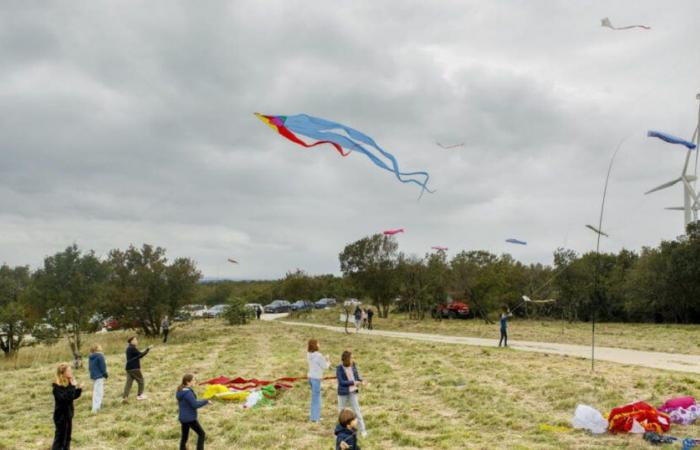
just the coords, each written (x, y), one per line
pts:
(421, 395)
(637, 336)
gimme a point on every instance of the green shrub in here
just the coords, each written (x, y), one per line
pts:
(236, 313)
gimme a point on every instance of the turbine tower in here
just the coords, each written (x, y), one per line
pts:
(691, 200)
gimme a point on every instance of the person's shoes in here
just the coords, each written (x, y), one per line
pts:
(141, 397)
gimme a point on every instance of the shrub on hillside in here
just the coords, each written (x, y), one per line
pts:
(236, 313)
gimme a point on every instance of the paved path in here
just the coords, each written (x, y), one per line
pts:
(655, 360)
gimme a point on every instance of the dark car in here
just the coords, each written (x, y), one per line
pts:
(324, 303)
(302, 305)
(278, 306)
(452, 310)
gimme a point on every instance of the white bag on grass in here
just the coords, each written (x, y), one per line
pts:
(588, 418)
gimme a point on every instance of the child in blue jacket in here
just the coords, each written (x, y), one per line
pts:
(346, 431)
(98, 374)
(188, 405)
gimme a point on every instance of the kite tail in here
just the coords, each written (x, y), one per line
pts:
(292, 137)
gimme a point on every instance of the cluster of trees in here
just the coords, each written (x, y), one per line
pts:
(74, 291)
(660, 284)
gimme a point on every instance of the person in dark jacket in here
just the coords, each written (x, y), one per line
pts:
(98, 374)
(346, 431)
(188, 406)
(64, 392)
(358, 318)
(133, 368)
(370, 314)
(348, 382)
(165, 326)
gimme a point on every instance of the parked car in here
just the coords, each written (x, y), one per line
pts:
(351, 302)
(195, 311)
(452, 310)
(324, 303)
(215, 311)
(278, 306)
(302, 305)
(112, 324)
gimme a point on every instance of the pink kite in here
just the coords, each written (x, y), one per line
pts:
(393, 232)
(442, 249)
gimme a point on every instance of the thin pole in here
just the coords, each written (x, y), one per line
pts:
(597, 251)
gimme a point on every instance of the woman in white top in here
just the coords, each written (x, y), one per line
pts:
(317, 364)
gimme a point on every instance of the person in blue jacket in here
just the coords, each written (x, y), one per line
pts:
(188, 405)
(504, 326)
(349, 381)
(346, 431)
(98, 374)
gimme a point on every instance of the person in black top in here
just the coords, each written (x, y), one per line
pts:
(165, 326)
(133, 368)
(64, 392)
(370, 314)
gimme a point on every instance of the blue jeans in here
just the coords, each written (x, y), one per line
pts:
(315, 413)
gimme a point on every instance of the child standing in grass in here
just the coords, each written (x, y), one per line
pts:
(188, 405)
(346, 431)
(348, 381)
(64, 392)
(317, 364)
(133, 368)
(98, 374)
(505, 315)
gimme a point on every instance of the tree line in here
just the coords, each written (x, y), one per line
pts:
(74, 291)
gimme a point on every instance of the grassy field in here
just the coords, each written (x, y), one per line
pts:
(420, 395)
(637, 336)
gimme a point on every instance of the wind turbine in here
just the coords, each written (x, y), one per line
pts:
(691, 200)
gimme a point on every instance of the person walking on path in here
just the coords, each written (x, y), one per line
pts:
(505, 315)
(133, 368)
(349, 381)
(98, 374)
(364, 317)
(370, 314)
(358, 318)
(188, 405)
(65, 390)
(317, 364)
(165, 326)
(258, 311)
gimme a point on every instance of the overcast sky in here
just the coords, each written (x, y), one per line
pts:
(130, 122)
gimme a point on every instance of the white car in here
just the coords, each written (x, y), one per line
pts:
(195, 311)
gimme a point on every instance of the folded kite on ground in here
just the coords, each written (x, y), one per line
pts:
(627, 418)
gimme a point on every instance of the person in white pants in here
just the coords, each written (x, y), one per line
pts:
(348, 394)
(98, 373)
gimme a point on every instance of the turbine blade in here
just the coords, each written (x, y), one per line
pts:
(664, 186)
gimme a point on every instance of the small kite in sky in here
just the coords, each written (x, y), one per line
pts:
(341, 137)
(231, 260)
(393, 232)
(516, 241)
(438, 248)
(605, 22)
(671, 139)
(450, 145)
(595, 230)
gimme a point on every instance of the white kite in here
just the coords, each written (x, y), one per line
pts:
(529, 300)
(607, 24)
